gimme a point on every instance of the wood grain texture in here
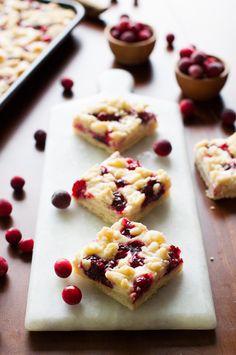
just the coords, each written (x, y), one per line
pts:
(211, 26)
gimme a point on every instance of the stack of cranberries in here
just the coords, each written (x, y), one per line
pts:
(198, 64)
(130, 31)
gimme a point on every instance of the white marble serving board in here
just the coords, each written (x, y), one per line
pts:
(185, 303)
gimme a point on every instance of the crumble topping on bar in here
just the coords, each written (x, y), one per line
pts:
(216, 162)
(115, 124)
(129, 262)
(26, 28)
(121, 187)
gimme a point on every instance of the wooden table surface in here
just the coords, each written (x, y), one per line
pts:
(211, 26)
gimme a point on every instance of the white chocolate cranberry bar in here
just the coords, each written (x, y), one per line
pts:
(26, 29)
(216, 162)
(115, 124)
(128, 262)
(121, 187)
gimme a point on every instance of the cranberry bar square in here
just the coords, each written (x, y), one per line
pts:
(129, 262)
(121, 187)
(115, 124)
(216, 162)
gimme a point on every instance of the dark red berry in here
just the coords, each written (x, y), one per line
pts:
(124, 25)
(13, 236)
(184, 64)
(195, 71)
(170, 37)
(198, 57)
(162, 148)
(3, 266)
(128, 36)
(5, 208)
(186, 107)
(186, 52)
(63, 268)
(144, 34)
(138, 26)
(71, 295)
(61, 199)
(119, 201)
(228, 117)
(124, 17)
(46, 38)
(115, 33)
(67, 83)
(17, 183)
(26, 245)
(214, 69)
(40, 138)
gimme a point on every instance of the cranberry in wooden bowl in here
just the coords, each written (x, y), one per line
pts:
(131, 42)
(200, 76)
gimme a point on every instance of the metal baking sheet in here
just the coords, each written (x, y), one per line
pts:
(79, 11)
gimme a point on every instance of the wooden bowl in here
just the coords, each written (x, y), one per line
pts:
(130, 53)
(201, 89)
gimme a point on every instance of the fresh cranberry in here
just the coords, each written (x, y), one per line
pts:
(195, 71)
(186, 107)
(186, 52)
(124, 25)
(120, 183)
(138, 26)
(198, 57)
(3, 266)
(119, 201)
(141, 285)
(228, 117)
(124, 17)
(128, 36)
(13, 236)
(175, 260)
(208, 61)
(144, 34)
(61, 199)
(132, 164)
(184, 64)
(214, 69)
(79, 189)
(170, 37)
(26, 245)
(46, 38)
(5, 208)
(67, 83)
(17, 183)
(115, 33)
(71, 295)
(146, 116)
(40, 138)
(63, 268)
(162, 148)
(127, 226)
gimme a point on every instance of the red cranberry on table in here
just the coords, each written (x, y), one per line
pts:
(228, 117)
(17, 183)
(67, 83)
(5, 208)
(61, 199)
(26, 245)
(170, 37)
(186, 107)
(162, 147)
(63, 268)
(13, 236)
(195, 71)
(3, 266)
(71, 295)
(40, 138)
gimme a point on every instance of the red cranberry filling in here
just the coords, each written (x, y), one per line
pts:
(146, 116)
(119, 202)
(127, 225)
(150, 194)
(137, 260)
(134, 247)
(104, 116)
(104, 138)
(104, 170)
(79, 189)
(142, 284)
(120, 183)
(132, 164)
(175, 259)
(229, 166)
(98, 269)
(225, 147)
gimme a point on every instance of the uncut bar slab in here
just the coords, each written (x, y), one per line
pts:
(121, 187)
